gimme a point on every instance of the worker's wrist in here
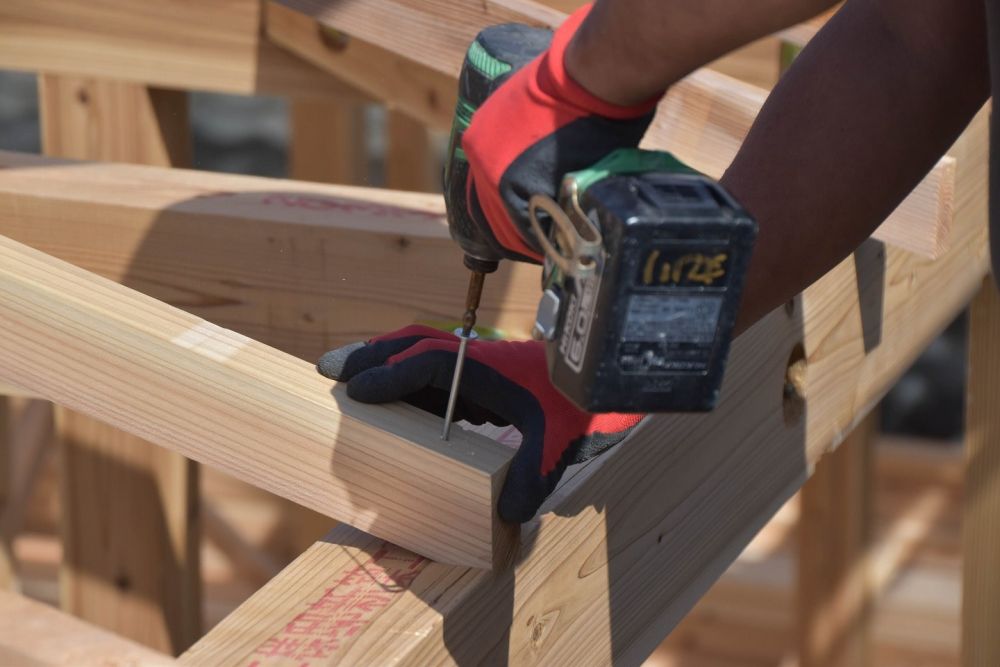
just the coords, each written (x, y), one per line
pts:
(609, 70)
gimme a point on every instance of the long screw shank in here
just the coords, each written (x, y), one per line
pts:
(472, 297)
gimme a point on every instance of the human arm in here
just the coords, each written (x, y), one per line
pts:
(864, 112)
(629, 50)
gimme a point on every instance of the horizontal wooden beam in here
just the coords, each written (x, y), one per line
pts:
(400, 83)
(800, 34)
(251, 411)
(703, 118)
(32, 633)
(170, 43)
(627, 544)
(300, 266)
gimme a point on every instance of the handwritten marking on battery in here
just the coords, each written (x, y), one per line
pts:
(212, 341)
(342, 611)
(692, 268)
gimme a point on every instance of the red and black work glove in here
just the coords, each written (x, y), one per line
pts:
(531, 124)
(502, 383)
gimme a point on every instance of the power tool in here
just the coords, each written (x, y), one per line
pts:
(645, 260)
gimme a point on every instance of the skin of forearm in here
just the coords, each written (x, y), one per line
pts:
(627, 51)
(865, 111)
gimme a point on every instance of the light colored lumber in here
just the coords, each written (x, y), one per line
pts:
(302, 267)
(410, 162)
(981, 507)
(7, 577)
(625, 547)
(835, 577)
(756, 63)
(328, 141)
(435, 33)
(402, 84)
(251, 411)
(248, 560)
(131, 556)
(703, 118)
(99, 119)
(33, 634)
(799, 35)
(29, 439)
(169, 43)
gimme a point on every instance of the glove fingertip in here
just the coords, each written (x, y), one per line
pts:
(333, 364)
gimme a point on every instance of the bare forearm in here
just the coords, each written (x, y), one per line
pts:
(627, 51)
(863, 114)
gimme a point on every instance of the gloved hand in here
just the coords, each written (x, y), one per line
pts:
(502, 382)
(536, 127)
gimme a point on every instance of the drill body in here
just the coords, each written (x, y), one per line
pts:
(496, 54)
(644, 260)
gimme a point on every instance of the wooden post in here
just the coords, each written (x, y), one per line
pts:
(328, 141)
(409, 158)
(981, 513)
(834, 579)
(6, 554)
(129, 509)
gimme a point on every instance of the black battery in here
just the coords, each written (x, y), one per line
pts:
(650, 329)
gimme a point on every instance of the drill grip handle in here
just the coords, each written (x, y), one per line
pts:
(496, 54)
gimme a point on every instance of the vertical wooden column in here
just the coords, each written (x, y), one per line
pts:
(834, 579)
(329, 145)
(6, 555)
(981, 512)
(328, 141)
(129, 508)
(409, 161)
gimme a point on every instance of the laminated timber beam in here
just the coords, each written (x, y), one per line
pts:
(251, 411)
(424, 93)
(35, 634)
(179, 44)
(299, 266)
(626, 545)
(703, 118)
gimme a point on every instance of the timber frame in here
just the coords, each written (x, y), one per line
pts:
(186, 308)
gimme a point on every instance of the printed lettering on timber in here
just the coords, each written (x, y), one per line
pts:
(660, 270)
(329, 622)
(321, 203)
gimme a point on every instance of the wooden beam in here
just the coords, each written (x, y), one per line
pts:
(328, 141)
(250, 562)
(98, 119)
(143, 578)
(627, 544)
(402, 84)
(7, 576)
(703, 118)
(30, 441)
(221, 49)
(246, 409)
(410, 162)
(32, 633)
(981, 505)
(836, 582)
(286, 263)
(800, 34)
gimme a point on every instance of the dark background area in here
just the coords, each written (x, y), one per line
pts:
(249, 135)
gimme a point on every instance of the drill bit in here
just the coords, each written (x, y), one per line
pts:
(464, 333)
